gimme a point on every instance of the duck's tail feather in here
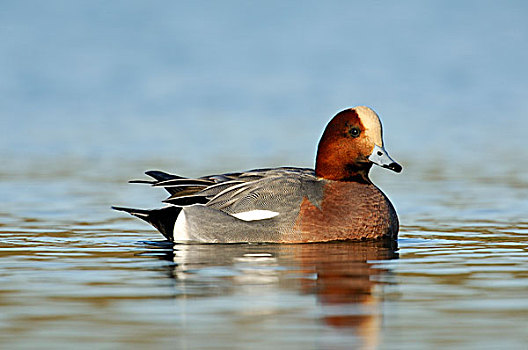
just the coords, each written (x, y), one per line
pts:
(158, 177)
(163, 219)
(161, 175)
(174, 184)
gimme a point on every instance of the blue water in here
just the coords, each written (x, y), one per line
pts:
(94, 93)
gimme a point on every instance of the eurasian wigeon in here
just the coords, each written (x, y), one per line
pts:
(336, 201)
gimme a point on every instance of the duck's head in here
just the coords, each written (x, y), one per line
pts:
(351, 143)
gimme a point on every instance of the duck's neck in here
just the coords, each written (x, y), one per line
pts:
(339, 171)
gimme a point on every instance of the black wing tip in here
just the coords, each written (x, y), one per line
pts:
(148, 182)
(158, 176)
(161, 175)
(151, 173)
(184, 201)
(183, 182)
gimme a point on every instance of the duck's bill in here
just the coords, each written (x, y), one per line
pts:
(380, 157)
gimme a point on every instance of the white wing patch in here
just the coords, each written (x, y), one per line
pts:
(256, 214)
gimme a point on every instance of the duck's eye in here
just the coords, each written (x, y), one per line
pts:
(354, 132)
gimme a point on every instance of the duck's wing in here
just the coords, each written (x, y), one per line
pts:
(188, 191)
(267, 193)
(260, 210)
(229, 207)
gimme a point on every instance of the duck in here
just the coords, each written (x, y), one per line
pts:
(336, 201)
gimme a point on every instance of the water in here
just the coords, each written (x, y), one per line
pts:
(95, 94)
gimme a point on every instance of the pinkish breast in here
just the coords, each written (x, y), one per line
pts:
(349, 211)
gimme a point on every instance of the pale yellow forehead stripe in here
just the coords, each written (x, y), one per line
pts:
(372, 124)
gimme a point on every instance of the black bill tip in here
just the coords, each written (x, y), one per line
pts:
(395, 167)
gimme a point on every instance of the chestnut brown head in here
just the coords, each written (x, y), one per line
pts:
(351, 143)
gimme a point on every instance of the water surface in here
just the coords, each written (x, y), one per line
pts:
(74, 272)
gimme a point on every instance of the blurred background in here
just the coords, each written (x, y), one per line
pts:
(191, 85)
(93, 93)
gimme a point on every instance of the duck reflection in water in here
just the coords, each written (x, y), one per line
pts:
(345, 278)
(348, 284)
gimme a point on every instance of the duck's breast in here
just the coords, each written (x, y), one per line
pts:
(348, 210)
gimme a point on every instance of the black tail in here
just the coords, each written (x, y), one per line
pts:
(163, 219)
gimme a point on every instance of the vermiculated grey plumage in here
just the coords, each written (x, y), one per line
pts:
(211, 201)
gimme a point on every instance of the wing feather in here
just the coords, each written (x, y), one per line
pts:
(232, 193)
